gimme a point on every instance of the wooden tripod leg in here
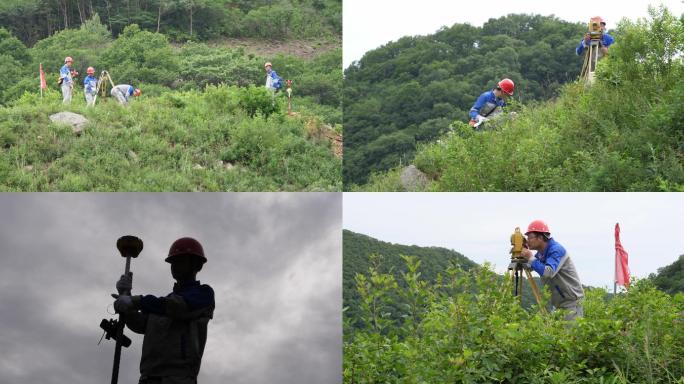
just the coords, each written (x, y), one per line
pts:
(535, 289)
(520, 286)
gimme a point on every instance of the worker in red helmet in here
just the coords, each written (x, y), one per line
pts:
(491, 103)
(605, 41)
(90, 87)
(556, 269)
(123, 93)
(66, 79)
(175, 326)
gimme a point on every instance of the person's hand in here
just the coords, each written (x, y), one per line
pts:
(123, 303)
(472, 122)
(125, 284)
(527, 254)
(587, 37)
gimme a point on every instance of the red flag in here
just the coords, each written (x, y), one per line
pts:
(43, 85)
(621, 267)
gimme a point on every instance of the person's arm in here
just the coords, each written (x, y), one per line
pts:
(580, 48)
(179, 305)
(549, 269)
(479, 103)
(608, 40)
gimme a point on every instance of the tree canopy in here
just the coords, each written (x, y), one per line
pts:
(408, 91)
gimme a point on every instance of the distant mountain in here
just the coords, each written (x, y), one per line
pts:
(670, 279)
(357, 251)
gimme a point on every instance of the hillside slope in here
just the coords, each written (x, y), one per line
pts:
(624, 133)
(408, 92)
(204, 121)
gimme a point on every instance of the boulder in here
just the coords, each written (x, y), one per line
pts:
(76, 121)
(412, 179)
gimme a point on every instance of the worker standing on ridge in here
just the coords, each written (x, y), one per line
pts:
(605, 41)
(491, 103)
(66, 79)
(90, 87)
(175, 326)
(273, 81)
(553, 264)
(123, 92)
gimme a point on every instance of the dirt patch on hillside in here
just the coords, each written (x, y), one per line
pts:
(307, 49)
(319, 132)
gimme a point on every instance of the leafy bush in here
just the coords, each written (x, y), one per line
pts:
(201, 66)
(466, 327)
(85, 45)
(141, 57)
(255, 99)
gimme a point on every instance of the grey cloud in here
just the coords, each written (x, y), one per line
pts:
(60, 264)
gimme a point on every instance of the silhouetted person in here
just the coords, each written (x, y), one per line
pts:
(175, 326)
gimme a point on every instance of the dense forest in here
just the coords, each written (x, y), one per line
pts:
(204, 121)
(180, 20)
(361, 252)
(624, 133)
(409, 91)
(409, 322)
(670, 278)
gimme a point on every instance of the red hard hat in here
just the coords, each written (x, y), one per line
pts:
(507, 86)
(90, 70)
(537, 226)
(137, 92)
(599, 18)
(186, 246)
(68, 58)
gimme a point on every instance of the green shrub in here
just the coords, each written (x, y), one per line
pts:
(138, 56)
(255, 99)
(467, 327)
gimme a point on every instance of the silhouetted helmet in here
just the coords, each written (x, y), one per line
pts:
(186, 247)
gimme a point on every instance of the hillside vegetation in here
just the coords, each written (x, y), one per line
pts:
(409, 91)
(180, 20)
(670, 278)
(361, 252)
(464, 326)
(204, 122)
(624, 133)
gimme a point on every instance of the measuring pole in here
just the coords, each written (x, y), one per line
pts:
(129, 247)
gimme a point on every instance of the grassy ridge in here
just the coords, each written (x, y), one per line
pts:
(177, 141)
(624, 133)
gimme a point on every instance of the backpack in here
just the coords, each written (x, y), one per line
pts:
(277, 81)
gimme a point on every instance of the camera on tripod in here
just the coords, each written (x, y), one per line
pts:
(518, 243)
(595, 31)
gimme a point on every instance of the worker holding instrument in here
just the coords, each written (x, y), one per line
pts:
(175, 326)
(552, 262)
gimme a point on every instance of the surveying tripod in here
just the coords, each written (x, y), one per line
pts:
(518, 265)
(591, 58)
(102, 85)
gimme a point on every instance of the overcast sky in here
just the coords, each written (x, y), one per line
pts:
(274, 261)
(370, 24)
(479, 225)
